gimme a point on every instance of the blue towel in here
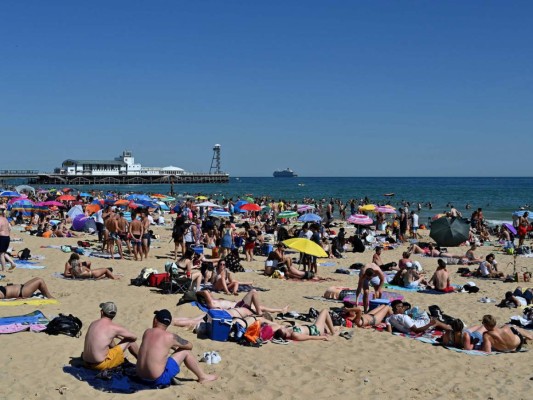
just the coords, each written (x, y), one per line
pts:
(36, 317)
(200, 306)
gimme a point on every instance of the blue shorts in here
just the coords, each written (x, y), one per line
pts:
(171, 370)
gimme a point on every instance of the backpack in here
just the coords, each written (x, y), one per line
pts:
(252, 334)
(65, 324)
(24, 254)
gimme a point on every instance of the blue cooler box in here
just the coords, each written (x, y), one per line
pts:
(267, 249)
(218, 325)
(378, 302)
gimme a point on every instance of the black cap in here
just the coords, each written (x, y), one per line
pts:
(163, 316)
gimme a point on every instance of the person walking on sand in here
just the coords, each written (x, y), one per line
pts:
(100, 351)
(5, 239)
(154, 365)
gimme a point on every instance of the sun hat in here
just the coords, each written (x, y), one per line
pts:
(109, 308)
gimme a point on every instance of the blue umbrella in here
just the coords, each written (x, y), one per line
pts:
(177, 208)
(163, 206)
(309, 217)
(518, 213)
(83, 194)
(147, 203)
(237, 206)
(9, 193)
(219, 213)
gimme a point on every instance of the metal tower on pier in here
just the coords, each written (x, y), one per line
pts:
(215, 162)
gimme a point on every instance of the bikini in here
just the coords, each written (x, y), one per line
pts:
(522, 339)
(313, 329)
(3, 290)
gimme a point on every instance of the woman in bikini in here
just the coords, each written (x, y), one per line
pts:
(74, 268)
(186, 267)
(354, 316)
(322, 329)
(222, 280)
(461, 338)
(25, 290)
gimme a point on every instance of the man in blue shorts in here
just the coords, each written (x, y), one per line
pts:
(154, 364)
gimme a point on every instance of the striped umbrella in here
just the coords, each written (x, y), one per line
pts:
(220, 213)
(287, 214)
(9, 193)
(385, 210)
(359, 219)
(22, 205)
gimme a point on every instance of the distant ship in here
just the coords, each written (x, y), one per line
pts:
(286, 173)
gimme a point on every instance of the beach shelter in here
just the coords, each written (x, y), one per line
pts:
(83, 224)
(25, 189)
(449, 231)
(306, 246)
(310, 217)
(163, 206)
(207, 204)
(75, 211)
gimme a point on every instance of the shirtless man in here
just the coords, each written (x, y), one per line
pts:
(136, 232)
(146, 237)
(153, 362)
(523, 225)
(251, 299)
(376, 259)
(123, 230)
(5, 232)
(505, 339)
(441, 278)
(100, 350)
(411, 278)
(25, 290)
(111, 224)
(370, 274)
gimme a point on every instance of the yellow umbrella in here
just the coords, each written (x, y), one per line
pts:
(201, 197)
(305, 246)
(367, 207)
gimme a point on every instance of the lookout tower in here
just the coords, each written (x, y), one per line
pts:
(215, 162)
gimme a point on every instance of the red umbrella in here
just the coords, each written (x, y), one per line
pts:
(66, 190)
(251, 207)
(66, 197)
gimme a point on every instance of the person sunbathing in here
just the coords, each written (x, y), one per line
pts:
(239, 314)
(401, 322)
(507, 338)
(431, 251)
(223, 280)
(25, 290)
(354, 316)
(74, 268)
(250, 301)
(322, 329)
(489, 268)
(471, 257)
(517, 298)
(461, 338)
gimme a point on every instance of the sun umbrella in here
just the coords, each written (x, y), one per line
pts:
(163, 206)
(9, 193)
(359, 219)
(158, 195)
(309, 217)
(251, 207)
(306, 246)
(66, 190)
(265, 209)
(83, 194)
(201, 197)
(25, 188)
(167, 199)
(249, 199)
(511, 228)
(287, 214)
(22, 205)
(367, 207)
(92, 208)
(449, 231)
(385, 210)
(518, 213)
(122, 202)
(207, 204)
(52, 203)
(305, 207)
(66, 197)
(42, 191)
(22, 197)
(220, 213)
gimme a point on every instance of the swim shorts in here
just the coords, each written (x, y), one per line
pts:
(171, 370)
(114, 358)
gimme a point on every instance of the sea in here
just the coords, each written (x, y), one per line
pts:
(498, 197)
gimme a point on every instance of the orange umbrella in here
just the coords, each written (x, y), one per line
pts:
(92, 208)
(66, 197)
(122, 202)
(66, 190)
(160, 196)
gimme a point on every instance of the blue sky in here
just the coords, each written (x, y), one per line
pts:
(328, 88)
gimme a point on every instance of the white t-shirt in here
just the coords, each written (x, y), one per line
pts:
(403, 323)
(415, 220)
(484, 267)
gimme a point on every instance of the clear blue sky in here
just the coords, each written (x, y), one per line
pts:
(328, 88)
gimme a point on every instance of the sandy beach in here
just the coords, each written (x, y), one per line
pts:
(371, 364)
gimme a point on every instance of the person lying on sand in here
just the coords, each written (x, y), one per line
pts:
(517, 298)
(431, 251)
(461, 338)
(405, 324)
(322, 329)
(74, 268)
(154, 365)
(25, 290)
(507, 338)
(354, 316)
(100, 351)
(239, 314)
(250, 301)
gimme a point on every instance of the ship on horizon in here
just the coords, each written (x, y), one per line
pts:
(285, 173)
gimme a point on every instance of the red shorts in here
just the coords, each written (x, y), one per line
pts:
(249, 246)
(522, 230)
(448, 289)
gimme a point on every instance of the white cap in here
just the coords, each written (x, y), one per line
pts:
(471, 283)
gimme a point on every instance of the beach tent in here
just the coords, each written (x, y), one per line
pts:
(84, 224)
(25, 188)
(75, 211)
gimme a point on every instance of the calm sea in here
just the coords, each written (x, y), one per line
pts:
(498, 197)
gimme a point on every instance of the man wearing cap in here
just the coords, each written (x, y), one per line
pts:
(100, 351)
(370, 274)
(154, 364)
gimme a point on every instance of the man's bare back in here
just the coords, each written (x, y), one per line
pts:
(153, 354)
(100, 338)
(440, 279)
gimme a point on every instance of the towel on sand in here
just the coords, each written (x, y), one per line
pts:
(33, 301)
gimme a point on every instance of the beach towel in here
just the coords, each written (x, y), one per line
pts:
(385, 295)
(400, 288)
(199, 305)
(59, 275)
(121, 379)
(31, 301)
(16, 328)
(35, 317)
(26, 264)
(99, 254)
(328, 264)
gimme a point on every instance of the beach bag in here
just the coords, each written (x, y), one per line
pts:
(237, 331)
(65, 325)
(252, 334)
(24, 254)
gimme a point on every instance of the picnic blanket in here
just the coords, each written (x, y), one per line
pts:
(121, 379)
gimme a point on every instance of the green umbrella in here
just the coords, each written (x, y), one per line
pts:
(287, 214)
(249, 199)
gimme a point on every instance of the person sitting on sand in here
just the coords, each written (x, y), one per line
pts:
(154, 365)
(370, 274)
(186, 267)
(405, 324)
(461, 338)
(321, 329)
(471, 257)
(411, 279)
(376, 259)
(223, 280)
(507, 338)
(354, 316)
(25, 290)
(489, 268)
(250, 301)
(402, 263)
(517, 298)
(74, 268)
(441, 278)
(100, 351)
